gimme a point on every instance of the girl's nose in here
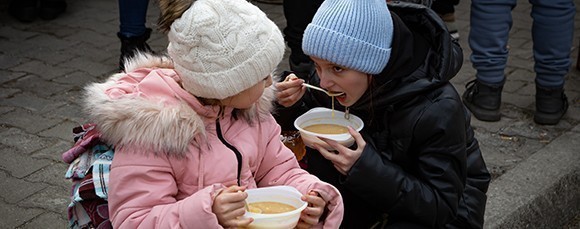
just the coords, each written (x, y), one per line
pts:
(325, 81)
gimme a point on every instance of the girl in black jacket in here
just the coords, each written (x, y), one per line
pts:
(416, 163)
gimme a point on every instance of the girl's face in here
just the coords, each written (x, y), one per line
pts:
(248, 97)
(336, 78)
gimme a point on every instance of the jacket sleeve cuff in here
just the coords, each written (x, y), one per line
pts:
(196, 210)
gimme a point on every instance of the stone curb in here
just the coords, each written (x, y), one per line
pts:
(541, 192)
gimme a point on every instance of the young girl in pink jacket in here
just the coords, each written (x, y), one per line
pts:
(193, 130)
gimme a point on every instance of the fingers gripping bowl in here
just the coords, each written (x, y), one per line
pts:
(279, 194)
(321, 115)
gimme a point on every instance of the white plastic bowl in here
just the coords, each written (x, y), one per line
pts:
(282, 194)
(322, 115)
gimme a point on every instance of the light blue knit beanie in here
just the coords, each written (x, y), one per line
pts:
(355, 34)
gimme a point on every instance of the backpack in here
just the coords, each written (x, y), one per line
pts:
(89, 164)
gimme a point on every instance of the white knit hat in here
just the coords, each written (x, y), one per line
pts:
(223, 47)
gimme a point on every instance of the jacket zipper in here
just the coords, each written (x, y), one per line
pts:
(231, 147)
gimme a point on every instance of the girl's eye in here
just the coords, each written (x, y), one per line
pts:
(337, 69)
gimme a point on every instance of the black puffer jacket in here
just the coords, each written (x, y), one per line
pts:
(422, 164)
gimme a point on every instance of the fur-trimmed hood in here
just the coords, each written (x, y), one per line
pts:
(147, 107)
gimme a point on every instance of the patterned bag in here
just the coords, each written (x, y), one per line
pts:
(90, 162)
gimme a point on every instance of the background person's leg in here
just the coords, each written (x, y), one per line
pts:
(446, 10)
(552, 33)
(490, 23)
(298, 14)
(133, 32)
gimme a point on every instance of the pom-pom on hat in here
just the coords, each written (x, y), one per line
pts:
(223, 47)
(355, 34)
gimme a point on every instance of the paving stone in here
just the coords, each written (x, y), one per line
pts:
(28, 101)
(22, 119)
(54, 151)
(69, 111)
(4, 110)
(484, 127)
(91, 68)
(75, 78)
(48, 220)
(98, 54)
(7, 76)
(51, 42)
(42, 70)
(466, 74)
(573, 85)
(53, 174)
(512, 86)
(9, 92)
(25, 142)
(11, 33)
(61, 130)
(14, 216)
(525, 76)
(521, 64)
(512, 113)
(7, 61)
(522, 53)
(54, 199)
(57, 29)
(517, 42)
(18, 164)
(518, 100)
(42, 87)
(92, 38)
(53, 58)
(13, 190)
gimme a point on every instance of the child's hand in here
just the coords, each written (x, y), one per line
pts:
(229, 207)
(343, 158)
(311, 214)
(290, 90)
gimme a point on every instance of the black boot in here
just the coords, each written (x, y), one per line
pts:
(51, 9)
(551, 105)
(131, 45)
(483, 100)
(23, 10)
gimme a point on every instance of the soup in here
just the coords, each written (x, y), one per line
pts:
(269, 207)
(327, 129)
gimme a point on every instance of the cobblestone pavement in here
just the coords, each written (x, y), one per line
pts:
(45, 64)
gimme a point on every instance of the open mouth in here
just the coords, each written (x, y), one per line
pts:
(340, 95)
(337, 93)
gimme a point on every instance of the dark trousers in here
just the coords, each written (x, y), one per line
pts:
(132, 17)
(444, 6)
(298, 14)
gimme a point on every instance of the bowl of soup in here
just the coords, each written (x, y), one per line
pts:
(327, 123)
(274, 207)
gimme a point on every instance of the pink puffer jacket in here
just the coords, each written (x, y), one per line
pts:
(172, 155)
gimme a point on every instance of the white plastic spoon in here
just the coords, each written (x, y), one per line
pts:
(322, 90)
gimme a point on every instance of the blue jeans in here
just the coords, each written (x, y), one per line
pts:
(132, 17)
(552, 34)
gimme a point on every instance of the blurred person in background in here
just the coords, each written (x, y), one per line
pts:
(28, 10)
(552, 34)
(133, 33)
